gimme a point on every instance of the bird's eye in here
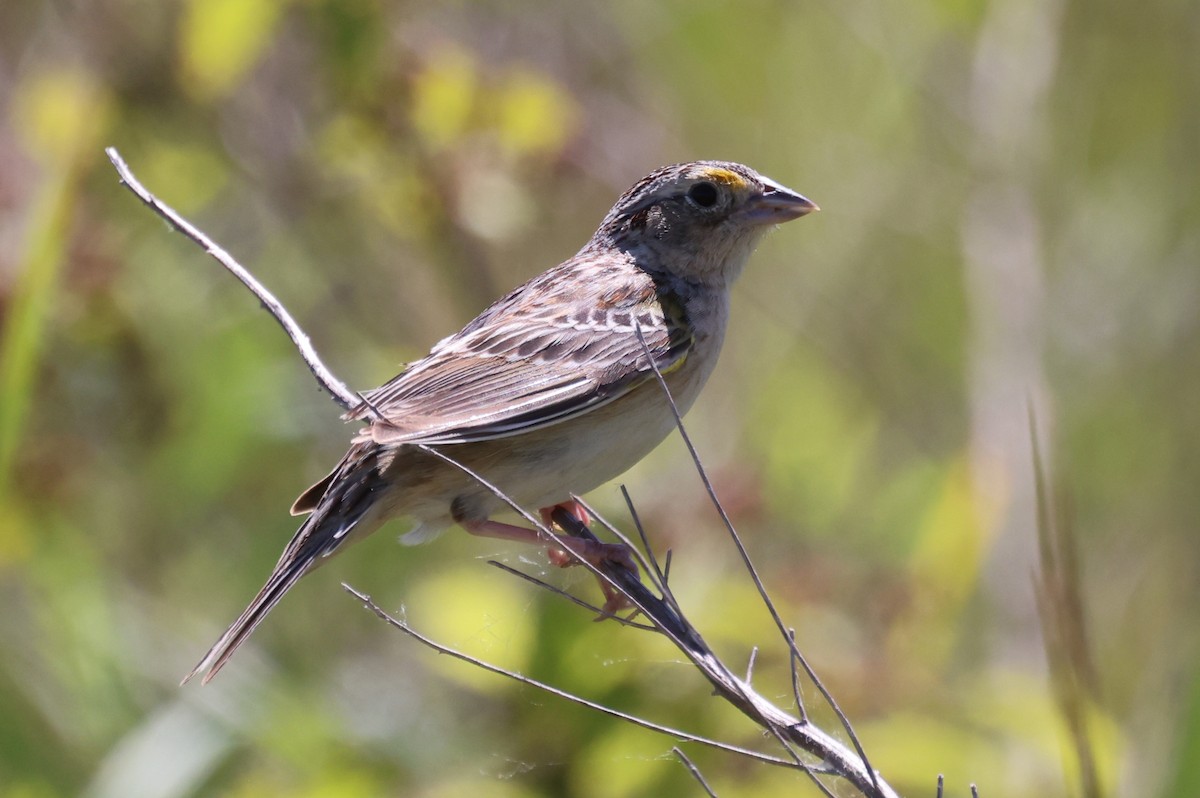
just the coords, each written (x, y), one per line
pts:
(703, 194)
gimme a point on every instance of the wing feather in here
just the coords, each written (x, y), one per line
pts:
(523, 365)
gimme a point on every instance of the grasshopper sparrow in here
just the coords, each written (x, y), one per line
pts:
(549, 391)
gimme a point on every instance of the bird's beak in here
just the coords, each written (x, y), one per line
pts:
(777, 204)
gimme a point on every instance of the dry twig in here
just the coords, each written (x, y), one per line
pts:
(336, 388)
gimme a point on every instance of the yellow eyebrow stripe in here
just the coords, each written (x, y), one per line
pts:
(732, 179)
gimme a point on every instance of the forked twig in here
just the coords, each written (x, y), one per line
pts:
(793, 734)
(407, 629)
(745, 555)
(672, 623)
(558, 591)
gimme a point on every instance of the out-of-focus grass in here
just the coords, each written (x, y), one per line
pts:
(1009, 213)
(62, 112)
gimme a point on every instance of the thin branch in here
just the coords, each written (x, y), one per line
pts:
(750, 665)
(744, 552)
(661, 573)
(375, 412)
(833, 704)
(336, 388)
(787, 730)
(1060, 608)
(404, 627)
(562, 541)
(694, 771)
(796, 692)
(558, 591)
(644, 560)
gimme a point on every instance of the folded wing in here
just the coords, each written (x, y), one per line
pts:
(516, 369)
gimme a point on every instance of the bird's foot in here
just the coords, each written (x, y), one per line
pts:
(572, 550)
(594, 552)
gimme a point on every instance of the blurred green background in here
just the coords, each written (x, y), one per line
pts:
(1011, 221)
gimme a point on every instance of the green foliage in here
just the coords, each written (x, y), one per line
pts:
(1011, 216)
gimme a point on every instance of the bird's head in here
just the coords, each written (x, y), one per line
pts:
(698, 220)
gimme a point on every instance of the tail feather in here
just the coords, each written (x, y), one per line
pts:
(350, 491)
(280, 582)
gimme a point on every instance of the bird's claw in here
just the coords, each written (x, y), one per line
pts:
(599, 555)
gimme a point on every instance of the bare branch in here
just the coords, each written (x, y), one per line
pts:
(750, 665)
(745, 555)
(694, 771)
(336, 388)
(787, 730)
(797, 694)
(1056, 586)
(645, 561)
(404, 627)
(561, 517)
(660, 572)
(645, 627)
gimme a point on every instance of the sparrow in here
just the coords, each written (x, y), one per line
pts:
(549, 392)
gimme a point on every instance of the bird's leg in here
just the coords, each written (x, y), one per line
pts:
(592, 551)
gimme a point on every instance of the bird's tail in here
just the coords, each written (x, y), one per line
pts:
(280, 582)
(349, 492)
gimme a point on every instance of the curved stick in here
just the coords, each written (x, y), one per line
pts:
(336, 388)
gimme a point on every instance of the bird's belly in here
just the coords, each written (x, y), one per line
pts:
(545, 467)
(542, 468)
(584, 453)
